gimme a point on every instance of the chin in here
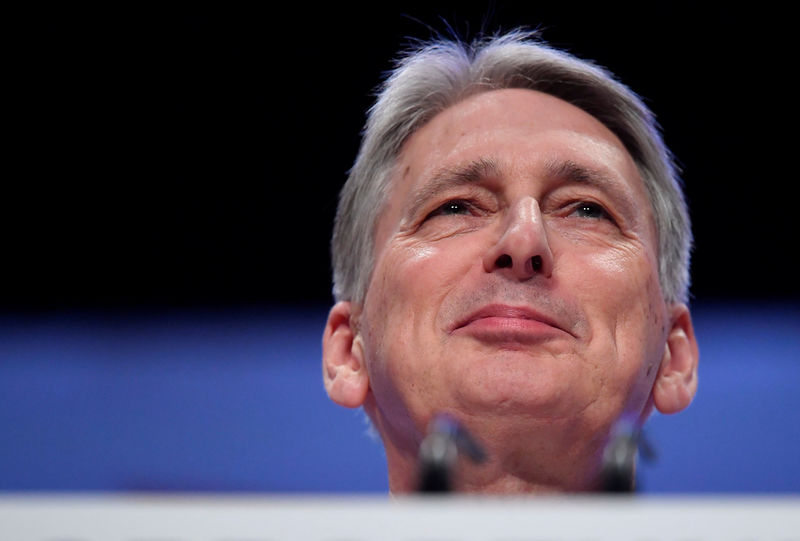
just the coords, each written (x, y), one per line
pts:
(509, 395)
(517, 379)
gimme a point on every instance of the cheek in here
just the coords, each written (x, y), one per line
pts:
(623, 301)
(637, 298)
(411, 279)
(399, 282)
(400, 316)
(620, 282)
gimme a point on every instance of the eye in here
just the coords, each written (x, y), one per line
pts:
(453, 207)
(587, 209)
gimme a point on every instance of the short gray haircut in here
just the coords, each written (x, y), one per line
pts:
(438, 74)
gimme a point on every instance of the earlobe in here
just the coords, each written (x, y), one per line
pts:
(343, 369)
(676, 383)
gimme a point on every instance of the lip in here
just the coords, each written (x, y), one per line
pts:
(501, 322)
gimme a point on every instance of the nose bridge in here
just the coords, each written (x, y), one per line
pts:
(522, 246)
(524, 217)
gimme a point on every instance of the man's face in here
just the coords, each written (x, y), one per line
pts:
(515, 276)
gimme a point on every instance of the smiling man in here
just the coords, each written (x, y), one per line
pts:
(511, 249)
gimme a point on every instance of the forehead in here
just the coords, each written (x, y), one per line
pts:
(524, 127)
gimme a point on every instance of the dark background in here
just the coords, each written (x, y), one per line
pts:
(192, 157)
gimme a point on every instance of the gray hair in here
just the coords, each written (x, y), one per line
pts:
(439, 74)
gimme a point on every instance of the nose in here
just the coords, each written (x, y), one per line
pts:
(522, 250)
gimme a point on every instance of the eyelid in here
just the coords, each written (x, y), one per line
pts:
(475, 197)
(469, 206)
(589, 203)
(607, 214)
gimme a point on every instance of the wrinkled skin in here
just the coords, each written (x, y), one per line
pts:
(515, 286)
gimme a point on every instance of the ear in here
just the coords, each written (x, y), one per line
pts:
(676, 382)
(343, 367)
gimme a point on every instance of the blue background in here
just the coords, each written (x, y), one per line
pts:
(233, 400)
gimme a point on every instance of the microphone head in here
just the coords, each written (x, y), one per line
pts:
(618, 472)
(439, 451)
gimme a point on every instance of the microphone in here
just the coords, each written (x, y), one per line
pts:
(618, 472)
(439, 451)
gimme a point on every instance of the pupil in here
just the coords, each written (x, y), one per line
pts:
(590, 211)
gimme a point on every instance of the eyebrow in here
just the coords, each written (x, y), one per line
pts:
(473, 172)
(571, 172)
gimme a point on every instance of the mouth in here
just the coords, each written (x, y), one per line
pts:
(500, 322)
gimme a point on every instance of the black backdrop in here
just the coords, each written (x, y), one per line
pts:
(192, 156)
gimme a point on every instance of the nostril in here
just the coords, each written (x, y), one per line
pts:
(536, 261)
(503, 262)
